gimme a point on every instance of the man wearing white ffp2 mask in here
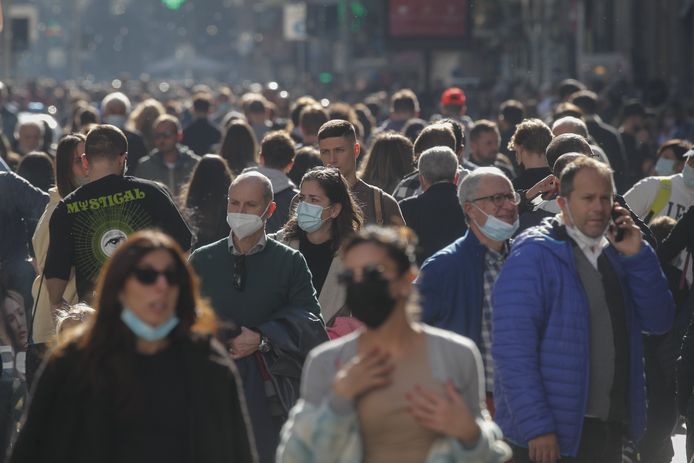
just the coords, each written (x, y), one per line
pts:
(262, 293)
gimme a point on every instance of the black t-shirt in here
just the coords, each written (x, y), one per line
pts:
(157, 428)
(318, 258)
(88, 225)
(529, 177)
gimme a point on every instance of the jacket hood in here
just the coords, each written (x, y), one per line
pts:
(280, 181)
(550, 235)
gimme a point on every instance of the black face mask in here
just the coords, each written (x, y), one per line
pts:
(369, 300)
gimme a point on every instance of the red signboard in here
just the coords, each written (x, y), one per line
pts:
(427, 18)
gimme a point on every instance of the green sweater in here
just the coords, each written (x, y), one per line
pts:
(277, 278)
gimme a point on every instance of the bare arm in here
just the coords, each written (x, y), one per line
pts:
(56, 289)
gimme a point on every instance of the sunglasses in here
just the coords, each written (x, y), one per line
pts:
(148, 276)
(238, 276)
(369, 272)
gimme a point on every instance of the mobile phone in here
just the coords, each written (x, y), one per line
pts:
(618, 232)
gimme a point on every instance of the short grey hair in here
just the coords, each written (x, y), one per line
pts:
(438, 164)
(571, 124)
(258, 177)
(120, 97)
(469, 187)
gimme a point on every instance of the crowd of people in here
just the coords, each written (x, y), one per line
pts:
(215, 277)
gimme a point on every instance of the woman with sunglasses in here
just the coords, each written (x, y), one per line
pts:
(70, 175)
(325, 215)
(144, 381)
(395, 390)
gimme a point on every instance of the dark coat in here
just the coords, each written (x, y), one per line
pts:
(69, 422)
(608, 138)
(436, 217)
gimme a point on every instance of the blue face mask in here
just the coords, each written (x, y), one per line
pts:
(496, 229)
(688, 176)
(665, 166)
(308, 216)
(144, 330)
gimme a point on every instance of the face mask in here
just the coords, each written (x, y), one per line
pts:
(144, 330)
(688, 176)
(369, 300)
(665, 166)
(580, 237)
(308, 216)
(115, 119)
(244, 225)
(496, 229)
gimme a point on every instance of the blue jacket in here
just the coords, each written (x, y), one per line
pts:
(451, 287)
(541, 335)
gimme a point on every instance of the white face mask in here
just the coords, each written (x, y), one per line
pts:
(580, 237)
(243, 225)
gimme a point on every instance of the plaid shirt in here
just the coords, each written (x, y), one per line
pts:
(492, 266)
(410, 186)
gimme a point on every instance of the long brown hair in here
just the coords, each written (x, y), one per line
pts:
(107, 344)
(388, 161)
(64, 158)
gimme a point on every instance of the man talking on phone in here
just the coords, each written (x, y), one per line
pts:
(570, 305)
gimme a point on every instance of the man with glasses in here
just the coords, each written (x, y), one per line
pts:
(262, 292)
(170, 163)
(455, 284)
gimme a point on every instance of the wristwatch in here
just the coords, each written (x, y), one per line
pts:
(264, 345)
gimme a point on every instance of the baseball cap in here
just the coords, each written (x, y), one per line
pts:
(453, 96)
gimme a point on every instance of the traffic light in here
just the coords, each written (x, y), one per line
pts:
(173, 4)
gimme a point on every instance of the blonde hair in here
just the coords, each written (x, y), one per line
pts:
(77, 313)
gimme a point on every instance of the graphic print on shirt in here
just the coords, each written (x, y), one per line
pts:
(97, 232)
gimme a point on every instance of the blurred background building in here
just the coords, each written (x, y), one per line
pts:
(357, 45)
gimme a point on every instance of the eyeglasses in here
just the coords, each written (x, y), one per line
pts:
(238, 276)
(499, 199)
(149, 276)
(164, 135)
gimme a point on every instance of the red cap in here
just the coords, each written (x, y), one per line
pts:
(453, 97)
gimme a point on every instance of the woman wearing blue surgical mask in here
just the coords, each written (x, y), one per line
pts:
(144, 380)
(325, 215)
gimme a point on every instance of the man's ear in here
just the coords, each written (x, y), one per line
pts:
(85, 163)
(261, 159)
(179, 137)
(455, 178)
(288, 167)
(357, 149)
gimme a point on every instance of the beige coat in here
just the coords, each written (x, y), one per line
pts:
(44, 322)
(332, 295)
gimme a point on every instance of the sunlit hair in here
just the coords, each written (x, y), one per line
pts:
(388, 160)
(64, 159)
(75, 314)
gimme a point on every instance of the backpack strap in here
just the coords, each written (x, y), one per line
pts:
(661, 198)
(378, 209)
